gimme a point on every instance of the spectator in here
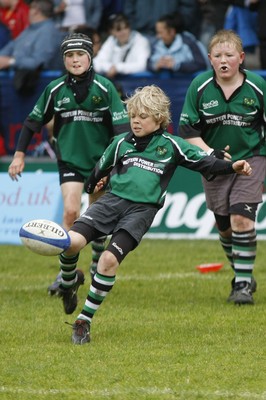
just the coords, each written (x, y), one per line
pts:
(72, 14)
(245, 22)
(38, 45)
(213, 14)
(5, 35)
(143, 15)
(177, 50)
(110, 7)
(3, 151)
(260, 7)
(95, 36)
(15, 15)
(34, 50)
(124, 52)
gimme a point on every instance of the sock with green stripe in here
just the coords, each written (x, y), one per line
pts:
(100, 287)
(97, 247)
(227, 247)
(68, 270)
(244, 254)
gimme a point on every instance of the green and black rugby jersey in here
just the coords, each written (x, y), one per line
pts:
(82, 131)
(238, 122)
(142, 175)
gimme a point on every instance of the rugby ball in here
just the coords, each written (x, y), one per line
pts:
(44, 237)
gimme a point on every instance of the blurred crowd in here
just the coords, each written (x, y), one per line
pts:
(129, 36)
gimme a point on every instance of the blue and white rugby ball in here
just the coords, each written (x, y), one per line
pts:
(44, 237)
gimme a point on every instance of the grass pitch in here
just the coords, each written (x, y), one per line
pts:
(164, 332)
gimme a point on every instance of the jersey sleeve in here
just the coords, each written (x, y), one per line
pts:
(43, 110)
(38, 117)
(120, 119)
(189, 123)
(194, 158)
(105, 165)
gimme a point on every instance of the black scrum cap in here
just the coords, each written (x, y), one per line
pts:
(77, 42)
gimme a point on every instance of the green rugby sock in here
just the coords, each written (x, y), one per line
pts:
(227, 246)
(244, 254)
(68, 269)
(100, 287)
(97, 248)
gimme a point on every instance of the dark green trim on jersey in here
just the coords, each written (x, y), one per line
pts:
(238, 122)
(143, 176)
(82, 131)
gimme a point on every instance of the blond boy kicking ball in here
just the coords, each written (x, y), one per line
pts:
(140, 164)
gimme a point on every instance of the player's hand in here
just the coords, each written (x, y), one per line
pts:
(16, 167)
(227, 156)
(99, 185)
(222, 154)
(242, 167)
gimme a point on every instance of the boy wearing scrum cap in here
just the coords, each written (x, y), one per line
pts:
(87, 112)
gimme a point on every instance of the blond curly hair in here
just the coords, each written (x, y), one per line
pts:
(150, 100)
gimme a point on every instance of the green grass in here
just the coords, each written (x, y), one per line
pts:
(164, 332)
